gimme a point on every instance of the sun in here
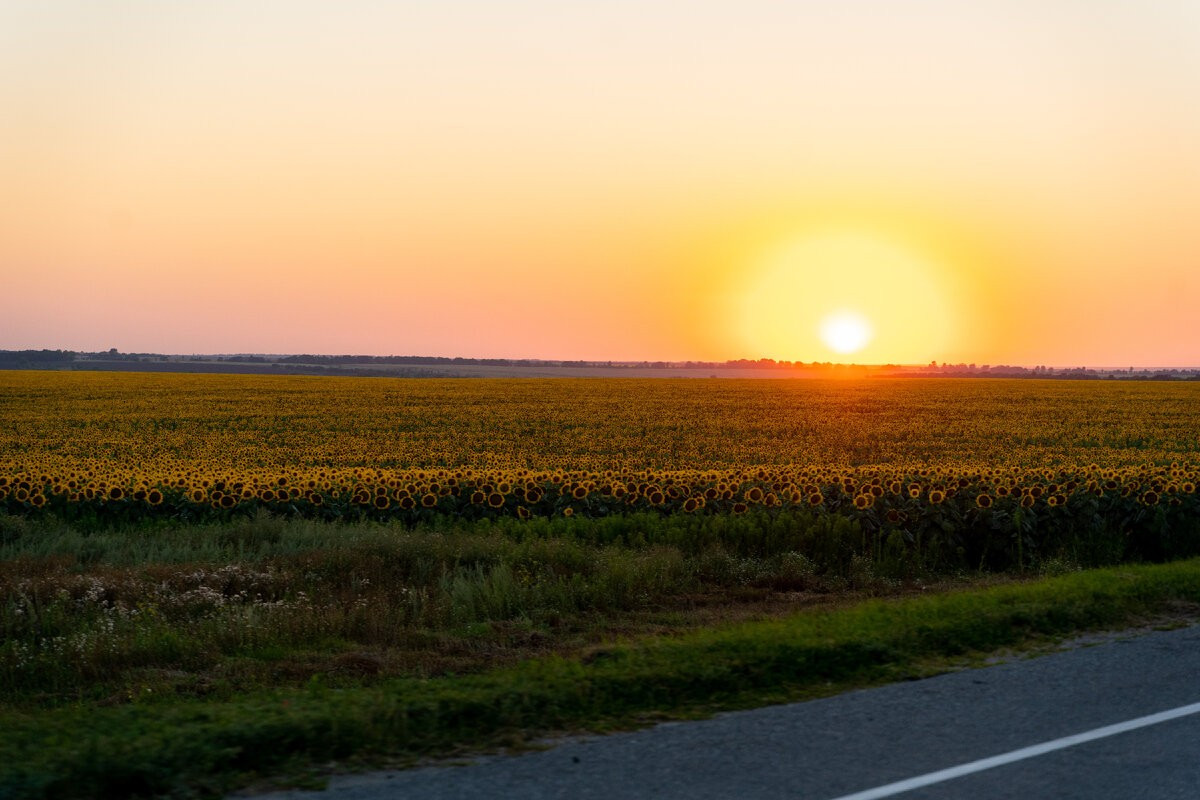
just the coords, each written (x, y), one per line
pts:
(846, 331)
(832, 292)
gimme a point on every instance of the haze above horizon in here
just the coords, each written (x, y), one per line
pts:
(865, 181)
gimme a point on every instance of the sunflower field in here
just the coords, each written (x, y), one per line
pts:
(977, 465)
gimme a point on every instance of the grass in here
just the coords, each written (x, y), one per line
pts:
(105, 615)
(187, 660)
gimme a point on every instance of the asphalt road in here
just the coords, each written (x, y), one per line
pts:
(855, 742)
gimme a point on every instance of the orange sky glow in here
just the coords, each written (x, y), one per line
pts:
(995, 182)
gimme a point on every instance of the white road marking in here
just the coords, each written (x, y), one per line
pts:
(1019, 755)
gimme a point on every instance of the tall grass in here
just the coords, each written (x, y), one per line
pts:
(181, 748)
(98, 613)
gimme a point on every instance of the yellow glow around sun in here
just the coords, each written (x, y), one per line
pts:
(836, 292)
(845, 331)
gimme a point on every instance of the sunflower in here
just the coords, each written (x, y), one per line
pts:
(477, 498)
(739, 508)
(1150, 497)
(579, 492)
(754, 494)
(690, 505)
(568, 512)
(495, 499)
(154, 497)
(1027, 500)
(936, 497)
(863, 500)
(382, 502)
(116, 493)
(656, 498)
(984, 501)
(429, 500)
(227, 501)
(815, 498)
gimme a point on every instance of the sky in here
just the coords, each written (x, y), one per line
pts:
(878, 181)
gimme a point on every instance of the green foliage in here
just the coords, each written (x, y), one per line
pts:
(182, 748)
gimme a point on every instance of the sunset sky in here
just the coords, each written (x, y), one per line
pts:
(994, 181)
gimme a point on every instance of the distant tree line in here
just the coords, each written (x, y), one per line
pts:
(1057, 373)
(746, 363)
(361, 365)
(34, 359)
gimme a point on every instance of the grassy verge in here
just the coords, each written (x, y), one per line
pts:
(197, 746)
(119, 615)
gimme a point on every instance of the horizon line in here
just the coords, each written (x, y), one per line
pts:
(766, 361)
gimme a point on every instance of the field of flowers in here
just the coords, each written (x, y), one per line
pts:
(195, 544)
(901, 457)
